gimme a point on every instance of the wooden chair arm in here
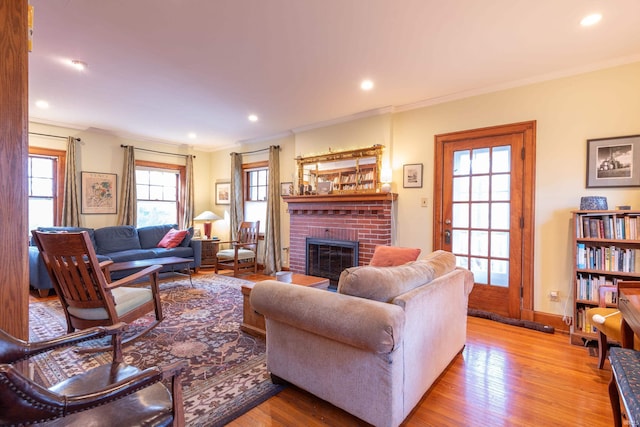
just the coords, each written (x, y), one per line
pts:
(13, 349)
(43, 404)
(135, 276)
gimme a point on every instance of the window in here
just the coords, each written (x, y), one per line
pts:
(158, 187)
(256, 183)
(45, 176)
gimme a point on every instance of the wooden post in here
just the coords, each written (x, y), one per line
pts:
(14, 265)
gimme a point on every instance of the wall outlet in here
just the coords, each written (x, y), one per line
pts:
(554, 295)
(424, 202)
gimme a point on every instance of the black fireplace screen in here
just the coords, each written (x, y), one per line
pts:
(328, 258)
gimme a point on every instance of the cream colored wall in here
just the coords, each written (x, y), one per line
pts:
(100, 152)
(568, 111)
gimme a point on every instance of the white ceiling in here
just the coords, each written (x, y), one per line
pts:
(159, 69)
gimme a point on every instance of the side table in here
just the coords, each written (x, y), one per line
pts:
(209, 251)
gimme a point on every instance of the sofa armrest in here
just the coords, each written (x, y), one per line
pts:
(366, 324)
(197, 252)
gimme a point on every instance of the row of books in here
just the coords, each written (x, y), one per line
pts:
(607, 258)
(625, 227)
(582, 323)
(588, 286)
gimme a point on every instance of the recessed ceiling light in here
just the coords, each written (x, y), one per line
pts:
(42, 104)
(78, 65)
(192, 135)
(366, 85)
(253, 118)
(592, 19)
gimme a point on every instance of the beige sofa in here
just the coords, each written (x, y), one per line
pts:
(377, 345)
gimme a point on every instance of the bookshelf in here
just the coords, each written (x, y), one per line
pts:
(359, 177)
(606, 249)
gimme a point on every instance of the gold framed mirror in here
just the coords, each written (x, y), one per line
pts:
(340, 172)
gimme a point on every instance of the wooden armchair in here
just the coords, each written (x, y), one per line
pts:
(608, 322)
(87, 296)
(242, 253)
(115, 394)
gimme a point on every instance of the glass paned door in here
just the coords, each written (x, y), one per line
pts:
(481, 211)
(483, 185)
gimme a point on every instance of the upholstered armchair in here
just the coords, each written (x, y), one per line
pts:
(115, 394)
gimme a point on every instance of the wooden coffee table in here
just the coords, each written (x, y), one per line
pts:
(144, 263)
(253, 322)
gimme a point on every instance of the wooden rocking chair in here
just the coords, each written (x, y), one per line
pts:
(87, 296)
(242, 253)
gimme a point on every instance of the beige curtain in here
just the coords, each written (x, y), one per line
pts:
(128, 212)
(236, 204)
(272, 244)
(187, 195)
(70, 204)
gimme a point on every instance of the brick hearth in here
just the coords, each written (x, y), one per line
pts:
(366, 218)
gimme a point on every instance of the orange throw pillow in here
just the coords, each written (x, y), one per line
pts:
(390, 256)
(172, 238)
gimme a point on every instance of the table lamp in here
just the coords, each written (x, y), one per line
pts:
(207, 217)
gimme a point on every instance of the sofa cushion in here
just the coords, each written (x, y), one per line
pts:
(117, 238)
(150, 236)
(172, 239)
(187, 239)
(388, 256)
(132, 255)
(68, 230)
(385, 283)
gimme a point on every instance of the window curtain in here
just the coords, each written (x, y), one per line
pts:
(128, 212)
(272, 244)
(70, 205)
(187, 195)
(236, 204)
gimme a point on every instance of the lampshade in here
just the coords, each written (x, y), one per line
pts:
(207, 216)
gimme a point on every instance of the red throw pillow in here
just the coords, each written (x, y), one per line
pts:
(390, 256)
(172, 238)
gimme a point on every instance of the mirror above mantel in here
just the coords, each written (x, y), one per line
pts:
(340, 172)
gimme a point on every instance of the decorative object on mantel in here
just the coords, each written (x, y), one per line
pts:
(593, 203)
(385, 178)
(207, 216)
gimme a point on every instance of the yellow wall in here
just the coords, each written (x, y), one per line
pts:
(568, 111)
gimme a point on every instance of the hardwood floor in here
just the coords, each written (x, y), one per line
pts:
(505, 376)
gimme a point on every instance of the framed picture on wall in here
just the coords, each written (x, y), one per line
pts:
(99, 193)
(223, 193)
(412, 175)
(613, 162)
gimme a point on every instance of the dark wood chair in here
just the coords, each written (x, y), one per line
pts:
(114, 394)
(241, 255)
(87, 296)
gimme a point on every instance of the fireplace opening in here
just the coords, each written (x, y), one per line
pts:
(328, 258)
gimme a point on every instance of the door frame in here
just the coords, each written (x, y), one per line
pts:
(528, 130)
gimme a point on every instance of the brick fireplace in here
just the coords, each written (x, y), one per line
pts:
(366, 218)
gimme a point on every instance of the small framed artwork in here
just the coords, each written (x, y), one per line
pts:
(412, 175)
(99, 193)
(223, 193)
(286, 188)
(613, 162)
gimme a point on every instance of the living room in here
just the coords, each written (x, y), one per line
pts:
(569, 108)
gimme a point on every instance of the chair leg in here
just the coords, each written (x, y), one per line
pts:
(614, 398)
(603, 349)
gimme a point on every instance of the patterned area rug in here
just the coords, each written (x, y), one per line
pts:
(227, 374)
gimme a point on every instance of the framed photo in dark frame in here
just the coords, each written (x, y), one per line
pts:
(613, 162)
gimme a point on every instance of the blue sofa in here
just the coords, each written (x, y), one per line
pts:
(119, 243)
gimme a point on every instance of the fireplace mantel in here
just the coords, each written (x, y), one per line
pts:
(363, 217)
(341, 198)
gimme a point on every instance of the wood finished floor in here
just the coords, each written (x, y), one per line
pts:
(505, 376)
